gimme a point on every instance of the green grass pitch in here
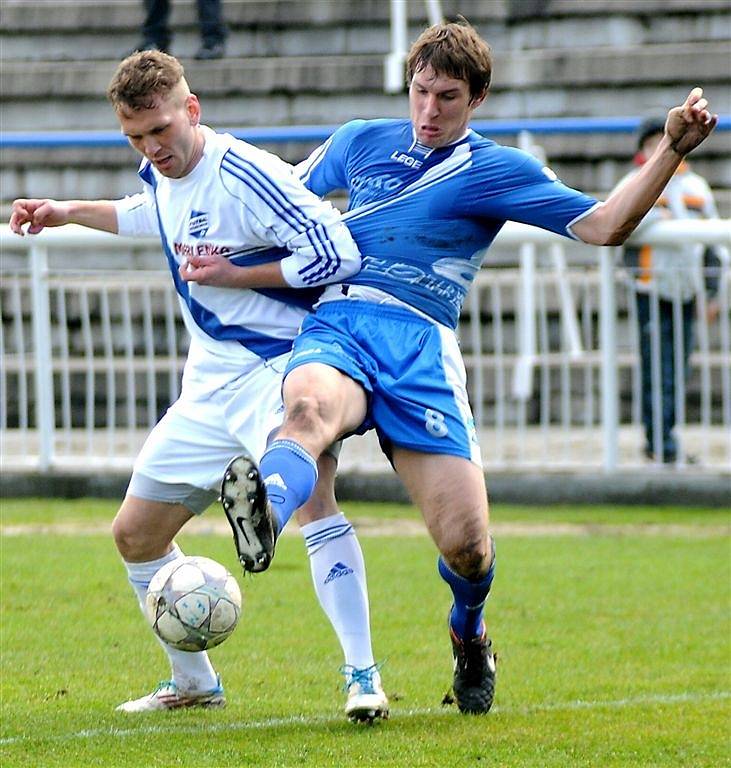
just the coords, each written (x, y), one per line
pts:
(612, 628)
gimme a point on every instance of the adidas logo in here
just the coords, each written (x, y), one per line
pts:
(338, 570)
(275, 479)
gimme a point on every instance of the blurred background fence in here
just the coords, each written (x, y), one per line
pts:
(92, 343)
(93, 347)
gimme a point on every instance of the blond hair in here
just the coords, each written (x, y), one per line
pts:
(143, 78)
(454, 49)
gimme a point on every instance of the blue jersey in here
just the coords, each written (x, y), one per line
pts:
(422, 217)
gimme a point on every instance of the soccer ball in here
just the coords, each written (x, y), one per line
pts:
(193, 603)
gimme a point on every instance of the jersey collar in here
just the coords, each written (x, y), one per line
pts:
(417, 148)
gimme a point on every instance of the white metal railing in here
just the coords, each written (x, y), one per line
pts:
(393, 65)
(92, 349)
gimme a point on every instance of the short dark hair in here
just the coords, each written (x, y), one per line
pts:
(142, 78)
(453, 48)
(650, 126)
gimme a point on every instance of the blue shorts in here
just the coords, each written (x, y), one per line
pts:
(410, 368)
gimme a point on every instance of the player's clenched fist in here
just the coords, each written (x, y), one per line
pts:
(688, 125)
(37, 213)
(211, 269)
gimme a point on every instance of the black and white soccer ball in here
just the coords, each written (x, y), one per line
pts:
(193, 603)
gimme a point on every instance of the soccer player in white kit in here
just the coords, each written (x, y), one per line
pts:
(208, 193)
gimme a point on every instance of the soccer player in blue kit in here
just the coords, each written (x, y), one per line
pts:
(427, 197)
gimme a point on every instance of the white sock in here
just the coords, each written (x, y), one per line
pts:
(338, 573)
(191, 671)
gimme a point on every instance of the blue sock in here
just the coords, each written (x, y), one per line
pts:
(469, 599)
(290, 475)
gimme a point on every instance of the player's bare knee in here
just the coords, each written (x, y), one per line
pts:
(306, 416)
(470, 559)
(304, 412)
(126, 541)
(135, 545)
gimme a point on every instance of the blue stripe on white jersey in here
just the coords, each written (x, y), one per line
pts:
(304, 298)
(265, 188)
(322, 245)
(326, 261)
(317, 270)
(260, 344)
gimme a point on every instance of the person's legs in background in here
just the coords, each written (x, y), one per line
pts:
(667, 382)
(663, 339)
(213, 30)
(670, 340)
(155, 27)
(645, 341)
(667, 340)
(680, 345)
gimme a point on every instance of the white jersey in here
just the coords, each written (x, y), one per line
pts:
(236, 201)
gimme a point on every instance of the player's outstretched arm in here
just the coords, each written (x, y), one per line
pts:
(41, 213)
(614, 221)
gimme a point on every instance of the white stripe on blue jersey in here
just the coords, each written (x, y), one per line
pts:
(459, 161)
(305, 167)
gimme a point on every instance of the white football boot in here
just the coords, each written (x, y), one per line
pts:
(366, 697)
(167, 696)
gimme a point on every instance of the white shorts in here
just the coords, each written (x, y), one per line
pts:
(198, 436)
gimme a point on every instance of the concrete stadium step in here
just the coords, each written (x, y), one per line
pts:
(635, 65)
(71, 15)
(65, 30)
(563, 58)
(629, 7)
(91, 30)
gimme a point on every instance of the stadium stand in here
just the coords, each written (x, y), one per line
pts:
(313, 62)
(321, 61)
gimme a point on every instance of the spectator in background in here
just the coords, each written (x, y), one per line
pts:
(156, 28)
(673, 274)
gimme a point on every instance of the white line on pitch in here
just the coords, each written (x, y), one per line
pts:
(276, 722)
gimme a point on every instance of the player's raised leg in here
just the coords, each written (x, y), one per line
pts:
(450, 492)
(259, 501)
(143, 532)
